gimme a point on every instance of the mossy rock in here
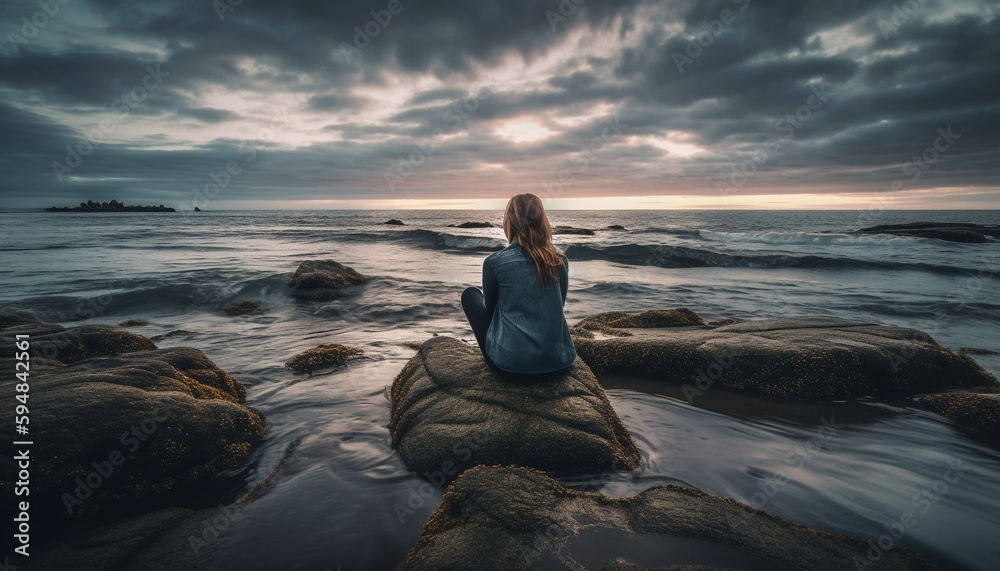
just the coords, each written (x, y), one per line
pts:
(249, 307)
(450, 410)
(321, 357)
(615, 323)
(517, 518)
(87, 342)
(978, 409)
(320, 280)
(816, 358)
(162, 420)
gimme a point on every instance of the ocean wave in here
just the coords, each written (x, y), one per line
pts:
(431, 240)
(473, 243)
(684, 257)
(669, 231)
(798, 238)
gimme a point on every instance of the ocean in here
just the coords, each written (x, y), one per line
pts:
(336, 500)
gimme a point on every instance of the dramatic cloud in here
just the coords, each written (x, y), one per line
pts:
(237, 103)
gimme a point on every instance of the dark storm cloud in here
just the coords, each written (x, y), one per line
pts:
(208, 115)
(334, 101)
(359, 104)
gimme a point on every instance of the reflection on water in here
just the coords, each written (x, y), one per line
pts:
(595, 546)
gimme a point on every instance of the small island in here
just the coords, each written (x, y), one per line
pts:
(113, 206)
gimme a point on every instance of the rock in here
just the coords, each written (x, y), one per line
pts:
(87, 342)
(978, 408)
(516, 518)
(571, 230)
(818, 358)
(172, 538)
(321, 357)
(118, 431)
(727, 321)
(616, 227)
(158, 540)
(614, 322)
(948, 231)
(976, 351)
(133, 323)
(320, 280)
(450, 411)
(174, 333)
(14, 320)
(249, 307)
(471, 225)
(395, 222)
(196, 209)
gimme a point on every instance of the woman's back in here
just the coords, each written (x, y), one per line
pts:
(528, 331)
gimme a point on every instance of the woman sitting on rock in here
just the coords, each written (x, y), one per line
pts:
(518, 315)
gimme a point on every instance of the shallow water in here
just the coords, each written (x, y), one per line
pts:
(343, 499)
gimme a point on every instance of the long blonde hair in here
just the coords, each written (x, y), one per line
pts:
(525, 221)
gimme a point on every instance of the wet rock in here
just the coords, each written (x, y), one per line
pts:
(616, 227)
(817, 358)
(321, 357)
(174, 333)
(321, 280)
(727, 321)
(158, 540)
(133, 323)
(977, 351)
(171, 538)
(450, 411)
(395, 222)
(517, 518)
(978, 409)
(249, 307)
(615, 323)
(951, 232)
(14, 320)
(121, 430)
(79, 343)
(573, 231)
(471, 225)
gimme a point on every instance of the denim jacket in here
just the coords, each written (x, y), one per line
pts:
(528, 332)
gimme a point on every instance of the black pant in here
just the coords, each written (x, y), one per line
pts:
(479, 318)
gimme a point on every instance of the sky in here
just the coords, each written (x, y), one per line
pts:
(723, 104)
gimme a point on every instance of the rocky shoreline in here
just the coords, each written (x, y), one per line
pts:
(502, 511)
(123, 427)
(106, 397)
